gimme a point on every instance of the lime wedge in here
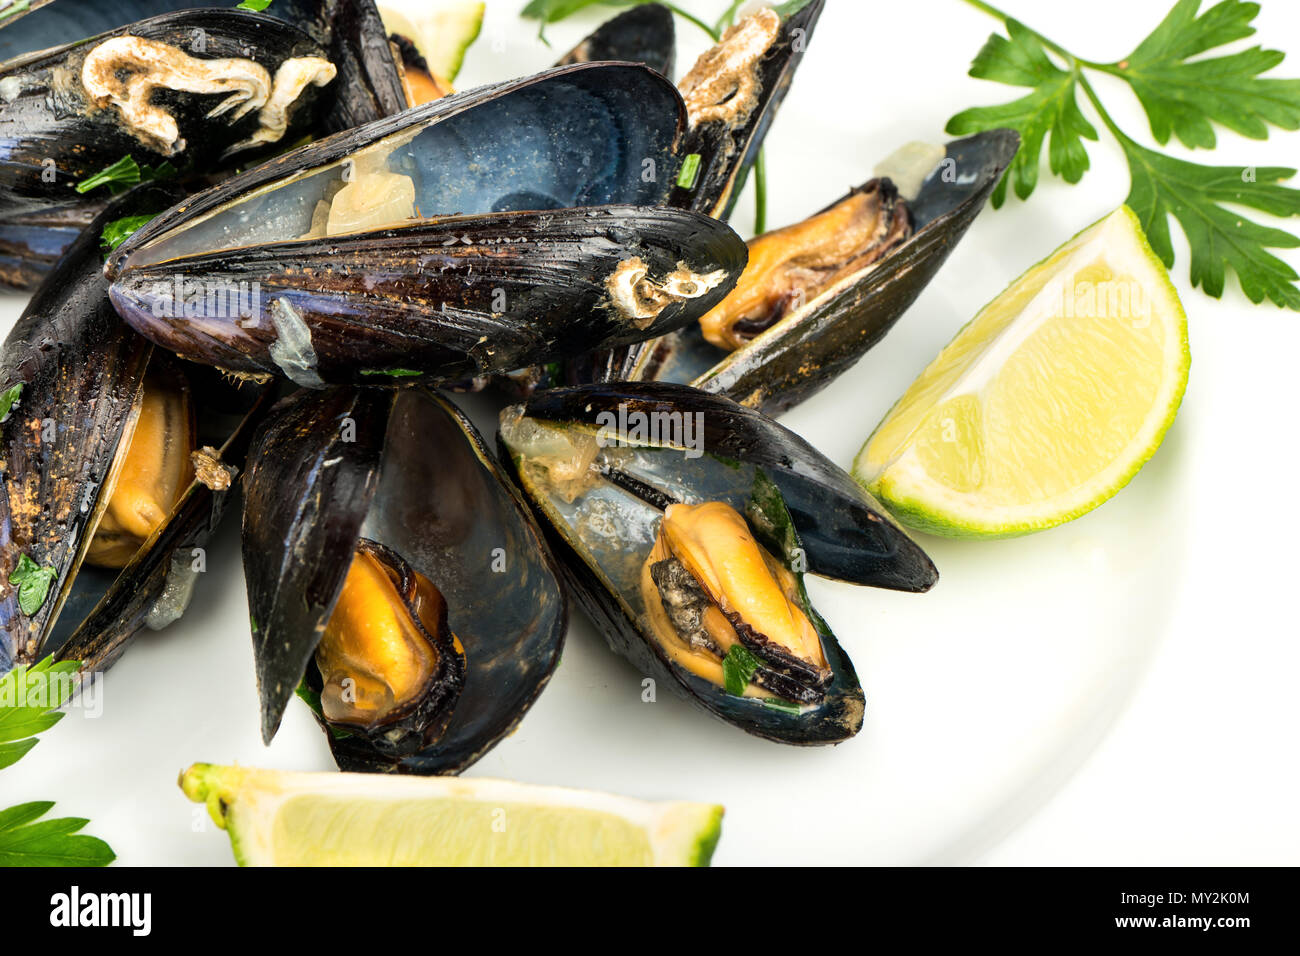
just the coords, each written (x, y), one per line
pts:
(1047, 403)
(277, 818)
(442, 30)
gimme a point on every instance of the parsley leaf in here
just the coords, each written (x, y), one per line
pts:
(7, 399)
(1185, 98)
(553, 11)
(738, 668)
(26, 840)
(257, 6)
(125, 172)
(1052, 108)
(15, 8)
(1182, 97)
(1219, 238)
(30, 698)
(33, 584)
(392, 372)
(120, 230)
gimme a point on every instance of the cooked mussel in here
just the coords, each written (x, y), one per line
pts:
(419, 83)
(395, 580)
(151, 469)
(412, 248)
(182, 88)
(368, 85)
(732, 94)
(818, 294)
(55, 141)
(714, 595)
(117, 461)
(390, 667)
(684, 523)
(789, 266)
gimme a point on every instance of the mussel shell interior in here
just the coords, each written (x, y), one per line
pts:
(847, 534)
(607, 534)
(576, 136)
(418, 480)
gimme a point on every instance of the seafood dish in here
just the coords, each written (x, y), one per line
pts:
(272, 250)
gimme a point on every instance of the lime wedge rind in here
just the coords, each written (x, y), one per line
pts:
(888, 467)
(282, 818)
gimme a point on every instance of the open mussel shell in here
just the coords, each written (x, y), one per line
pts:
(846, 534)
(732, 95)
(48, 153)
(368, 84)
(190, 88)
(809, 346)
(83, 376)
(644, 34)
(604, 464)
(443, 243)
(405, 469)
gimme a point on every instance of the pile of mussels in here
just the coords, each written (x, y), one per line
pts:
(340, 236)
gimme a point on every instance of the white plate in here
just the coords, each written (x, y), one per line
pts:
(983, 696)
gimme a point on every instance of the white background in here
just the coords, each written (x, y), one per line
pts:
(1117, 691)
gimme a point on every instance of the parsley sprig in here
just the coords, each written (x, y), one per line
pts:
(30, 698)
(124, 173)
(1185, 95)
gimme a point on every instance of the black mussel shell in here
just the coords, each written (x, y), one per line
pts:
(82, 370)
(368, 85)
(728, 147)
(53, 135)
(538, 266)
(644, 34)
(604, 523)
(846, 534)
(809, 347)
(406, 469)
(456, 298)
(31, 244)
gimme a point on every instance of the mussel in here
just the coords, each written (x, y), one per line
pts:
(396, 581)
(116, 467)
(475, 234)
(684, 523)
(732, 95)
(190, 94)
(351, 31)
(206, 83)
(817, 295)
